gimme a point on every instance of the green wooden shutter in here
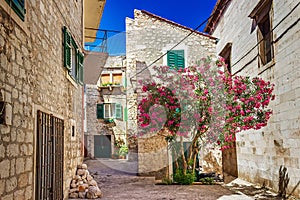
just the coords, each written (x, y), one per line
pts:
(171, 59)
(180, 58)
(125, 114)
(118, 111)
(100, 111)
(80, 58)
(175, 59)
(67, 49)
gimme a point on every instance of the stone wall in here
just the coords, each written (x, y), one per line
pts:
(148, 37)
(153, 156)
(32, 77)
(115, 94)
(261, 153)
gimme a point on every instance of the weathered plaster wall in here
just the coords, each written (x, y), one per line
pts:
(148, 38)
(32, 77)
(261, 153)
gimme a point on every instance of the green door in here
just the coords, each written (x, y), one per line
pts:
(102, 146)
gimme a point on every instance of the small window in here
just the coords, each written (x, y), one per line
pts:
(73, 58)
(73, 131)
(2, 112)
(111, 79)
(175, 59)
(109, 111)
(262, 19)
(18, 6)
(226, 54)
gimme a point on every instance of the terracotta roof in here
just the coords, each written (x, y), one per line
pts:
(216, 14)
(176, 24)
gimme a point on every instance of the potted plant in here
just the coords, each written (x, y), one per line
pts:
(123, 151)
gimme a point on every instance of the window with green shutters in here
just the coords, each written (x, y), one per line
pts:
(18, 7)
(100, 111)
(109, 110)
(175, 59)
(118, 111)
(73, 58)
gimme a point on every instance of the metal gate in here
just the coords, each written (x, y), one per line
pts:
(49, 157)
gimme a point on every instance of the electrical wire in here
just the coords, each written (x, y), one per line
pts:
(188, 35)
(272, 30)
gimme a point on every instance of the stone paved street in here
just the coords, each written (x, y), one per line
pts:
(117, 180)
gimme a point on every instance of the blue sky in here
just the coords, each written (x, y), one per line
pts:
(189, 13)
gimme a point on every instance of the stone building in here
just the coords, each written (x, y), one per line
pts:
(261, 38)
(149, 38)
(106, 114)
(41, 96)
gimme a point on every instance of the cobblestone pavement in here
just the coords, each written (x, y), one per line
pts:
(117, 180)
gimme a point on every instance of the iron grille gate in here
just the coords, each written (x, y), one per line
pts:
(49, 157)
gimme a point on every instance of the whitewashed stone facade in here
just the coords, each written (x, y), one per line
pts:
(261, 153)
(32, 78)
(147, 38)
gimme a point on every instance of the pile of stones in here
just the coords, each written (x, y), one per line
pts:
(83, 185)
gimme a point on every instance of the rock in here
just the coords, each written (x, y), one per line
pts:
(73, 195)
(84, 166)
(73, 190)
(81, 172)
(73, 185)
(99, 193)
(89, 177)
(92, 192)
(83, 177)
(80, 182)
(82, 195)
(81, 188)
(92, 183)
(77, 178)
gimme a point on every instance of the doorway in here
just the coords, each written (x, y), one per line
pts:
(102, 146)
(49, 157)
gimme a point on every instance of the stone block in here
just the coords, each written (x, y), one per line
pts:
(4, 169)
(28, 193)
(2, 186)
(8, 114)
(8, 197)
(2, 151)
(19, 194)
(11, 184)
(23, 180)
(20, 165)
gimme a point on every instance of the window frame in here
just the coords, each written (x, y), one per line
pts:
(115, 111)
(18, 7)
(260, 14)
(226, 54)
(75, 71)
(180, 53)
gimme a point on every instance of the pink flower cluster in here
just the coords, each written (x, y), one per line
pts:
(205, 101)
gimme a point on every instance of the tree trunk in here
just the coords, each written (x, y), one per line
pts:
(183, 156)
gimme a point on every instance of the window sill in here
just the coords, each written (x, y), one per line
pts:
(110, 87)
(263, 68)
(71, 79)
(22, 24)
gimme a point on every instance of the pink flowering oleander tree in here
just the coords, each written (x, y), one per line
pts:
(202, 103)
